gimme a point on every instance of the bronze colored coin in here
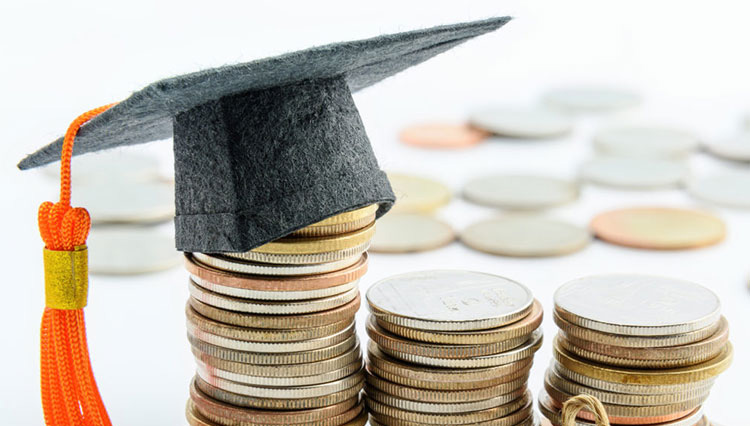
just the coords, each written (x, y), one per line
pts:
(659, 228)
(416, 376)
(442, 135)
(391, 342)
(227, 414)
(430, 395)
(697, 372)
(273, 358)
(313, 245)
(316, 319)
(523, 327)
(443, 407)
(270, 283)
(574, 331)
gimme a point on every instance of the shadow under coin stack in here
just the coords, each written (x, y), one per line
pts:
(273, 332)
(449, 348)
(649, 348)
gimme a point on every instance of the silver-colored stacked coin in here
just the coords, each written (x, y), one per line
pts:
(649, 348)
(273, 331)
(451, 347)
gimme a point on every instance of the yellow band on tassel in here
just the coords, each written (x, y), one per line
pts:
(66, 278)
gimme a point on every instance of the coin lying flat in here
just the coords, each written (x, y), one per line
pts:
(726, 189)
(525, 236)
(107, 166)
(415, 194)
(736, 148)
(635, 173)
(445, 407)
(130, 250)
(113, 202)
(658, 228)
(637, 305)
(306, 380)
(410, 232)
(240, 266)
(441, 135)
(640, 141)
(449, 300)
(520, 192)
(583, 99)
(290, 392)
(313, 245)
(522, 122)
(341, 223)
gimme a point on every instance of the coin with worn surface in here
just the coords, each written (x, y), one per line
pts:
(522, 122)
(659, 228)
(594, 99)
(130, 250)
(510, 420)
(449, 300)
(341, 223)
(304, 258)
(525, 236)
(522, 327)
(289, 392)
(520, 192)
(730, 189)
(316, 319)
(311, 245)
(307, 380)
(444, 407)
(207, 419)
(697, 372)
(240, 266)
(640, 141)
(119, 202)
(442, 135)
(736, 148)
(415, 194)
(634, 173)
(410, 232)
(274, 288)
(637, 305)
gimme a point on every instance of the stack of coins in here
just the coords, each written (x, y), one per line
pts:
(649, 348)
(273, 332)
(449, 348)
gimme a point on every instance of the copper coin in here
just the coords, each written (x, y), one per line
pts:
(659, 228)
(441, 135)
(270, 283)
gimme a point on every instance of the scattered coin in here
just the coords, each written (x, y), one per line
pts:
(658, 228)
(440, 135)
(410, 232)
(635, 173)
(522, 122)
(726, 189)
(108, 166)
(736, 148)
(651, 142)
(520, 192)
(416, 194)
(120, 202)
(130, 250)
(525, 236)
(584, 99)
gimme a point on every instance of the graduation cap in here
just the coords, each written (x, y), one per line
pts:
(267, 147)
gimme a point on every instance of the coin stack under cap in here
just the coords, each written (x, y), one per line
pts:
(649, 348)
(450, 348)
(273, 332)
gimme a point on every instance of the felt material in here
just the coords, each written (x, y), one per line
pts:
(267, 147)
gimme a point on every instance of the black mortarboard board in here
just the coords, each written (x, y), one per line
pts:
(267, 147)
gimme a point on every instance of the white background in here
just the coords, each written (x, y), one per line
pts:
(688, 59)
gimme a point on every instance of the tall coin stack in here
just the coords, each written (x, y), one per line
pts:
(649, 348)
(449, 348)
(273, 332)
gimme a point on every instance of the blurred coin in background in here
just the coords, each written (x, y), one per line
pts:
(591, 99)
(442, 135)
(123, 201)
(131, 250)
(415, 194)
(107, 166)
(634, 173)
(645, 141)
(736, 148)
(730, 189)
(522, 122)
(410, 232)
(521, 192)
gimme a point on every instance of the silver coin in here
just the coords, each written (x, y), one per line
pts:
(525, 236)
(636, 173)
(126, 250)
(255, 268)
(730, 189)
(642, 141)
(410, 232)
(736, 148)
(112, 202)
(316, 379)
(520, 192)
(449, 300)
(637, 305)
(522, 122)
(115, 165)
(301, 259)
(591, 99)
(245, 293)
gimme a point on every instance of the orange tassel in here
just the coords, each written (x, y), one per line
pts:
(69, 392)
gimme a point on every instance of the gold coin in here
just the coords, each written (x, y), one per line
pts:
(306, 380)
(659, 228)
(312, 245)
(523, 327)
(444, 407)
(441, 378)
(340, 223)
(348, 216)
(304, 258)
(416, 194)
(317, 319)
(702, 371)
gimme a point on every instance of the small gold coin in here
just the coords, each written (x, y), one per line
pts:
(416, 194)
(410, 232)
(303, 245)
(659, 228)
(442, 135)
(341, 223)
